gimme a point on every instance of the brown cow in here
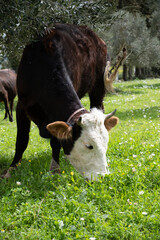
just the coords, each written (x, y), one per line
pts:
(8, 90)
(55, 72)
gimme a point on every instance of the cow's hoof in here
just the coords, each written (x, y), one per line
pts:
(7, 173)
(54, 167)
(11, 119)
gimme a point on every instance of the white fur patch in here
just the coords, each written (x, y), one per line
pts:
(91, 162)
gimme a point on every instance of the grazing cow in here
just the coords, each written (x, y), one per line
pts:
(8, 90)
(54, 73)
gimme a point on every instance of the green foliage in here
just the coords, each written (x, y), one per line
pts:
(21, 21)
(155, 24)
(26, 19)
(124, 205)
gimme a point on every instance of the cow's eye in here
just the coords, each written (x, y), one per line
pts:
(89, 146)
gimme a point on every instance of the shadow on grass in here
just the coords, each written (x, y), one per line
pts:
(145, 113)
(137, 88)
(34, 176)
(144, 86)
(126, 92)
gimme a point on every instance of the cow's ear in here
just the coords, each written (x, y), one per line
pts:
(60, 130)
(111, 122)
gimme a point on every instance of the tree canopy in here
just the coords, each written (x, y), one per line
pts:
(132, 32)
(21, 21)
(125, 20)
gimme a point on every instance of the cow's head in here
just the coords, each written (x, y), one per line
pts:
(85, 143)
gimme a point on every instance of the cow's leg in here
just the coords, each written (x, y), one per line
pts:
(6, 104)
(96, 97)
(11, 108)
(55, 145)
(23, 128)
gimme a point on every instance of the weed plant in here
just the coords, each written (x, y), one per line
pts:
(36, 205)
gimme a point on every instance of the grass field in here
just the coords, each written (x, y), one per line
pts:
(35, 205)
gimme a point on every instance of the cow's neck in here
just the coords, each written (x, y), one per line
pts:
(67, 97)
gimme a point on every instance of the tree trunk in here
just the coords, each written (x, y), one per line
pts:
(143, 73)
(149, 72)
(130, 72)
(110, 75)
(125, 72)
(155, 72)
(137, 72)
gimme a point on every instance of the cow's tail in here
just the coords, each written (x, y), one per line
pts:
(110, 74)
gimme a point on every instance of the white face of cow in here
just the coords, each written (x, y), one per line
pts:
(88, 154)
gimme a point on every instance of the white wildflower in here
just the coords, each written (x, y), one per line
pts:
(82, 219)
(92, 238)
(61, 224)
(152, 155)
(133, 169)
(144, 213)
(141, 192)
(18, 183)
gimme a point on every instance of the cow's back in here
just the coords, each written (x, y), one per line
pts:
(84, 54)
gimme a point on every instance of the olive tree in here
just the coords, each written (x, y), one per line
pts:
(132, 32)
(21, 21)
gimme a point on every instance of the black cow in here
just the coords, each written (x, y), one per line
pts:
(54, 73)
(8, 90)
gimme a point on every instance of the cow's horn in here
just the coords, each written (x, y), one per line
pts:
(110, 114)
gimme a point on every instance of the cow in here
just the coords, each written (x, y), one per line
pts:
(8, 90)
(55, 72)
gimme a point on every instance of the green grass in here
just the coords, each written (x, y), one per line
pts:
(123, 205)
